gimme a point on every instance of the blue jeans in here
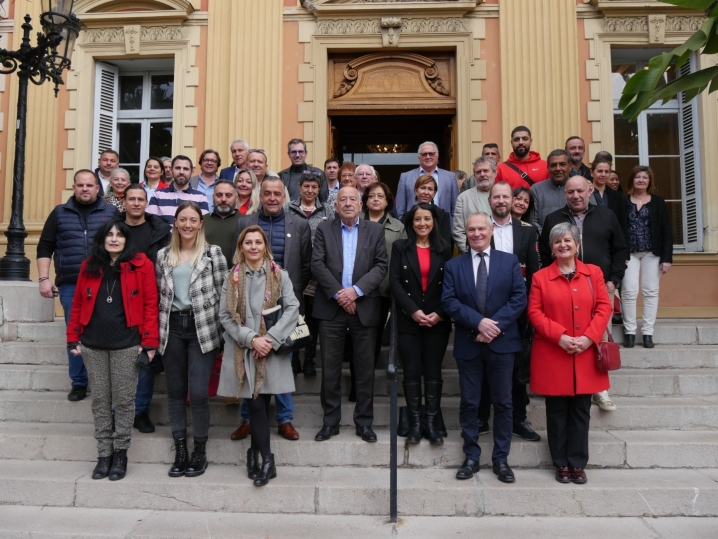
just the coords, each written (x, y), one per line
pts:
(285, 408)
(499, 370)
(78, 372)
(145, 388)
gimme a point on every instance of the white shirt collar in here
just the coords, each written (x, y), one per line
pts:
(501, 226)
(487, 251)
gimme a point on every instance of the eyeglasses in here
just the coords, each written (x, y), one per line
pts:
(209, 161)
(347, 176)
(427, 154)
(296, 152)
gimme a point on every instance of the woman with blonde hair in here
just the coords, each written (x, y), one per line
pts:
(245, 180)
(251, 367)
(189, 274)
(119, 181)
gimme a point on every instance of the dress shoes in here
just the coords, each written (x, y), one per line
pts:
(102, 469)
(143, 423)
(468, 469)
(522, 430)
(327, 432)
(629, 341)
(563, 474)
(78, 393)
(504, 472)
(483, 426)
(242, 432)
(288, 431)
(578, 476)
(119, 465)
(648, 341)
(366, 434)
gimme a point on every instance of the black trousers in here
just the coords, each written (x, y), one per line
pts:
(567, 422)
(519, 398)
(313, 324)
(259, 417)
(422, 355)
(333, 333)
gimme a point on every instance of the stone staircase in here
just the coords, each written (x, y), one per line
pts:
(655, 456)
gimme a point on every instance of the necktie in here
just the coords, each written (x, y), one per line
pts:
(482, 281)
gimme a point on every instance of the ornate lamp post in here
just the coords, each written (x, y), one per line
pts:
(37, 64)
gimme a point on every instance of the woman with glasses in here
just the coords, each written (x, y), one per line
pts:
(346, 179)
(119, 181)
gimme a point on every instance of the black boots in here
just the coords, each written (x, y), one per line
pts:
(267, 472)
(119, 465)
(252, 463)
(102, 469)
(432, 400)
(629, 341)
(648, 341)
(198, 462)
(296, 364)
(180, 464)
(412, 394)
(309, 367)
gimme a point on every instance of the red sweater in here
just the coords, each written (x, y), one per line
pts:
(535, 167)
(139, 296)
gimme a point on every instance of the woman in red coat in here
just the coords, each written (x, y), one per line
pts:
(114, 319)
(569, 309)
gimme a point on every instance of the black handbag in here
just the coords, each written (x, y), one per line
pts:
(299, 338)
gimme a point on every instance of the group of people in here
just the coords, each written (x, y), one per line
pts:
(185, 266)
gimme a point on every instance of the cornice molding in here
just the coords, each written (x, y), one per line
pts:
(439, 25)
(398, 8)
(148, 34)
(639, 24)
(639, 7)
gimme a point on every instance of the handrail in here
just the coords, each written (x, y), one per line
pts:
(391, 369)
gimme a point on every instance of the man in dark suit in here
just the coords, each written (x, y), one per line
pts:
(349, 262)
(239, 150)
(484, 292)
(519, 238)
(447, 188)
(290, 241)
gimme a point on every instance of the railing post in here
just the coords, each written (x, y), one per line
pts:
(393, 452)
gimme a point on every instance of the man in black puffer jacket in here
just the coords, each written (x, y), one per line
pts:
(68, 235)
(297, 152)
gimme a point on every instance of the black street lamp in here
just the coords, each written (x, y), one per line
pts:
(47, 60)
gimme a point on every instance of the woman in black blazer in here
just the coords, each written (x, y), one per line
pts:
(425, 189)
(416, 274)
(650, 239)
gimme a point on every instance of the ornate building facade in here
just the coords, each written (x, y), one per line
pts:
(367, 80)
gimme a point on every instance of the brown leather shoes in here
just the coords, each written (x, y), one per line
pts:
(563, 474)
(242, 432)
(578, 476)
(288, 431)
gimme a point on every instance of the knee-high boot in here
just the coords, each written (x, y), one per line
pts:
(412, 394)
(432, 400)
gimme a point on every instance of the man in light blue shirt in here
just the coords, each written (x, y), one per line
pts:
(204, 182)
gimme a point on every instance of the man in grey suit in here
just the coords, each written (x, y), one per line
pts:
(290, 242)
(447, 190)
(474, 200)
(349, 262)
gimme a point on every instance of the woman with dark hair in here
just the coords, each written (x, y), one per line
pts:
(425, 189)
(614, 182)
(522, 204)
(113, 320)
(154, 174)
(190, 274)
(416, 274)
(378, 203)
(650, 239)
(251, 367)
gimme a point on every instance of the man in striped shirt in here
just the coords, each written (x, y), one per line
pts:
(165, 201)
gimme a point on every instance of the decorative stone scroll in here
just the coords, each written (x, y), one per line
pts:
(146, 34)
(442, 25)
(105, 35)
(642, 25)
(626, 24)
(684, 24)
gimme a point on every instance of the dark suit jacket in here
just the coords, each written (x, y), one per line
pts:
(525, 249)
(617, 206)
(228, 173)
(405, 286)
(505, 301)
(297, 249)
(370, 267)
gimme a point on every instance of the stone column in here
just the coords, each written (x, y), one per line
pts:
(539, 70)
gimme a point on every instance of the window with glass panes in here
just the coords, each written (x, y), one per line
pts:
(658, 138)
(144, 118)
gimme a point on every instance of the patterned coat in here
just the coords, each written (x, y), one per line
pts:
(205, 290)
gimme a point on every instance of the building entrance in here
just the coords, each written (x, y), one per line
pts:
(390, 143)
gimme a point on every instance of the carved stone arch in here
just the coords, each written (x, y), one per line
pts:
(83, 7)
(390, 79)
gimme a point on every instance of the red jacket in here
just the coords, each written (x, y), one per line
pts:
(139, 296)
(558, 306)
(533, 165)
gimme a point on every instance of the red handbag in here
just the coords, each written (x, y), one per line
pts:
(608, 354)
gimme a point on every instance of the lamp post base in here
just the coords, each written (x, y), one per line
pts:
(14, 268)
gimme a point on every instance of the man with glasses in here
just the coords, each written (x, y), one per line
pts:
(447, 191)
(239, 150)
(297, 152)
(209, 162)
(364, 175)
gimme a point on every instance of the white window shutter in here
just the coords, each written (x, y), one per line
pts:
(691, 167)
(104, 132)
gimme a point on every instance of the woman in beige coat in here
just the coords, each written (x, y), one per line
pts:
(250, 368)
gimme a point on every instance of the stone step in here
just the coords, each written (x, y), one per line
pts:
(608, 449)
(364, 491)
(633, 413)
(35, 331)
(624, 383)
(64, 522)
(33, 353)
(677, 331)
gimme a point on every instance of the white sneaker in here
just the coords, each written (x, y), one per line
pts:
(604, 401)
